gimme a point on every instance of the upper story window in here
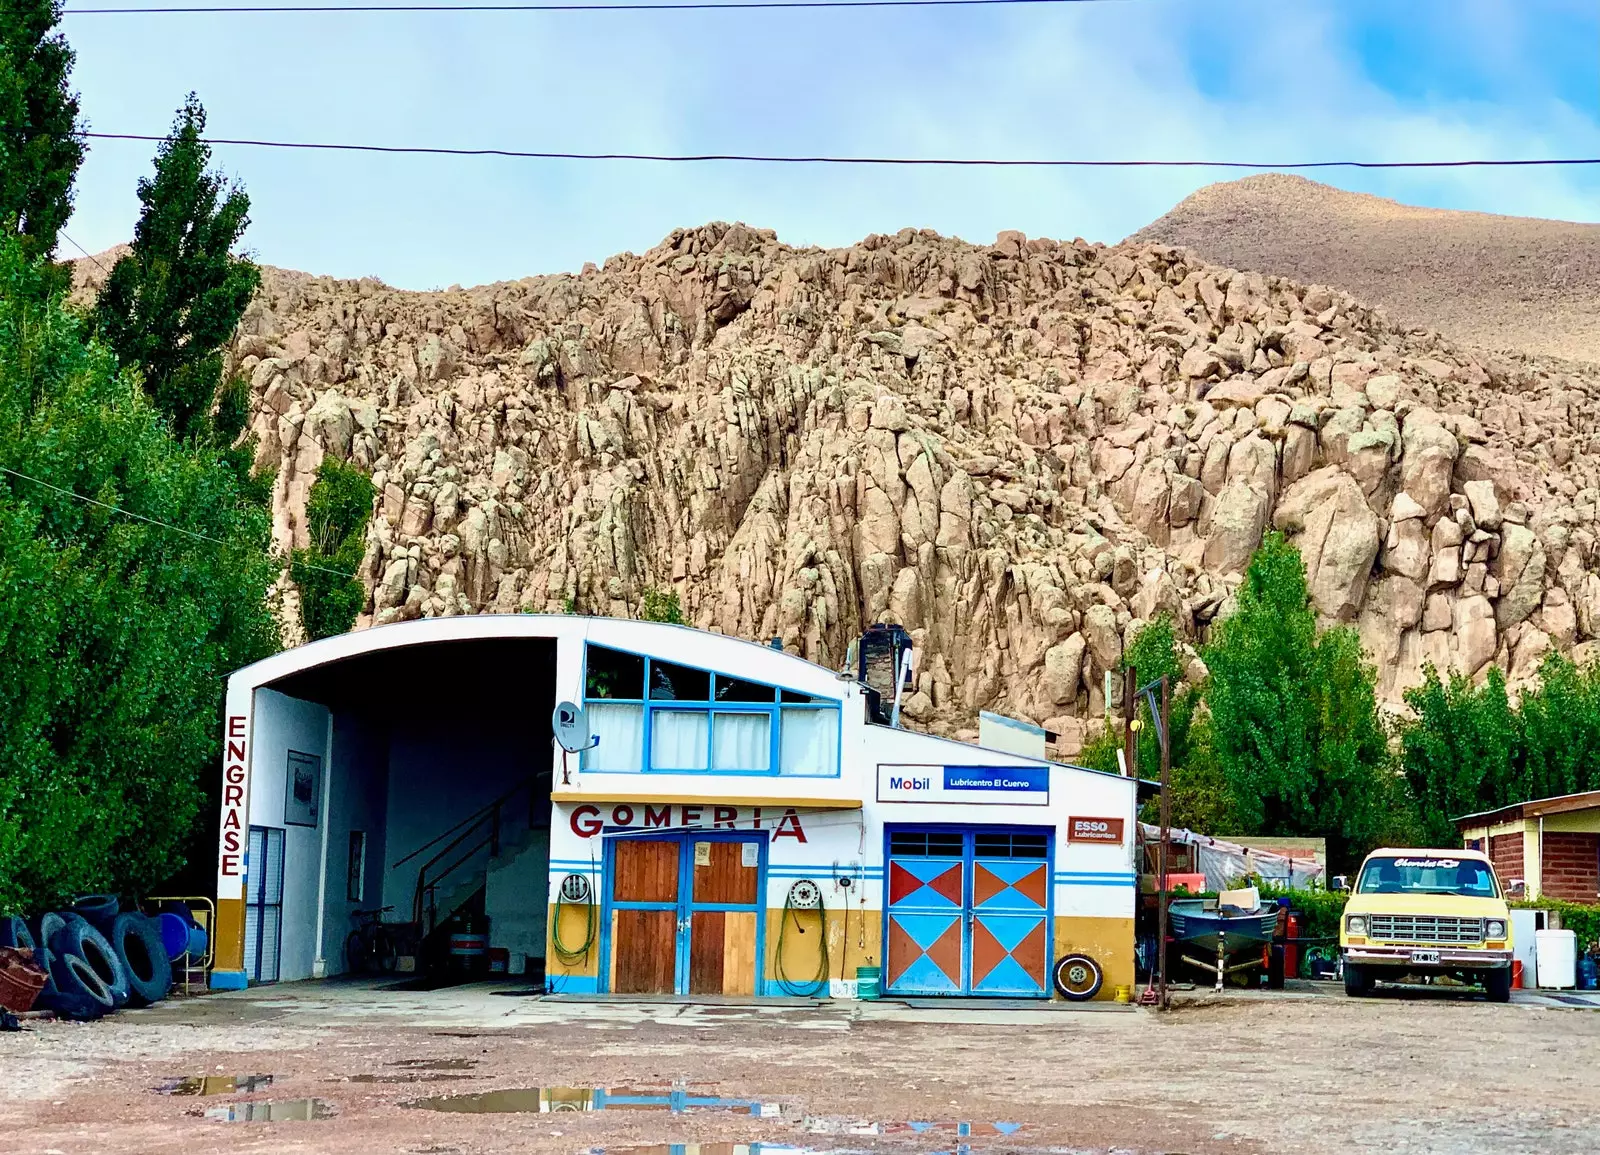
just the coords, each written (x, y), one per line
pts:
(651, 714)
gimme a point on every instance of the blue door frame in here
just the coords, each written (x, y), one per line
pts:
(936, 914)
(685, 908)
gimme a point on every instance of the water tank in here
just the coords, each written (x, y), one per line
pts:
(1556, 958)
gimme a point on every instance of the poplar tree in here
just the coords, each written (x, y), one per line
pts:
(173, 302)
(39, 149)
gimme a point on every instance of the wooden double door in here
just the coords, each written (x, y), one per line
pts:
(685, 913)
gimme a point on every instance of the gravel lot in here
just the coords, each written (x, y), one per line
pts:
(1306, 1073)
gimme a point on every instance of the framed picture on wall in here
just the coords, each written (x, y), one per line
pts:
(303, 790)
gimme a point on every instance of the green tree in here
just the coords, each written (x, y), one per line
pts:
(173, 302)
(659, 605)
(40, 150)
(1560, 726)
(337, 511)
(117, 632)
(1294, 717)
(1461, 749)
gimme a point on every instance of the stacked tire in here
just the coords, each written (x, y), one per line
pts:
(99, 957)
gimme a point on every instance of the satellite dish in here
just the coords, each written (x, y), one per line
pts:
(571, 727)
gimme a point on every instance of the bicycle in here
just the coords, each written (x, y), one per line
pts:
(370, 949)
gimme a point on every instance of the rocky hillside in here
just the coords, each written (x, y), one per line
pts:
(1494, 282)
(1020, 451)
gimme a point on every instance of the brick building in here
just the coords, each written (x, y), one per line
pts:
(1552, 844)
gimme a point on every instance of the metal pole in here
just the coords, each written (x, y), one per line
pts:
(1161, 854)
(1130, 740)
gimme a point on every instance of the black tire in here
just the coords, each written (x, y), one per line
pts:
(14, 932)
(357, 955)
(384, 956)
(99, 909)
(1078, 977)
(137, 941)
(1357, 982)
(80, 991)
(1497, 985)
(80, 939)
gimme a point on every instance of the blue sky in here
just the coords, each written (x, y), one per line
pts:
(1272, 80)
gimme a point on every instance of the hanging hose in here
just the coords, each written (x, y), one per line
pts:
(803, 895)
(574, 891)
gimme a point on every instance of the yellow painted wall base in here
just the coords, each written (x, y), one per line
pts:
(849, 947)
(571, 929)
(228, 935)
(1109, 941)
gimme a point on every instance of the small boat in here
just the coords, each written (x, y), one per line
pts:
(1234, 922)
(1190, 920)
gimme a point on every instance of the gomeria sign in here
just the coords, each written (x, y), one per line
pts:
(981, 785)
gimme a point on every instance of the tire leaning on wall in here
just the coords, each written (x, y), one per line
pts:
(137, 942)
(78, 938)
(81, 993)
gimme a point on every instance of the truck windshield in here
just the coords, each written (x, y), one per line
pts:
(1423, 875)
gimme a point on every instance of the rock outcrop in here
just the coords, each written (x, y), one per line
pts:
(1021, 452)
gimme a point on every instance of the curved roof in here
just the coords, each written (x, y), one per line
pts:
(682, 644)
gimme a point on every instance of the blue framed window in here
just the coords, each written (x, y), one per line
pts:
(655, 715)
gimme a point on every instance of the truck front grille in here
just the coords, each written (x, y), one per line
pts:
(1424, 928)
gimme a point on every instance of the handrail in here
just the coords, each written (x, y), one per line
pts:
(471, 823)
(472, 818)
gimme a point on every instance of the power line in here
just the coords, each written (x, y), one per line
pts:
(153, 521)
(669, 6)
(85, 252)
(962, 162)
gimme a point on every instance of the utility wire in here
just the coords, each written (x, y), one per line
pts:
(965, 162)
(152, 521)
(669, 6)
(85, 252)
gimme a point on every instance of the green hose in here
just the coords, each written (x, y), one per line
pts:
(806, 988)
(566, 954)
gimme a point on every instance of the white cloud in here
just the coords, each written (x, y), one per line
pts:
(1116, 80)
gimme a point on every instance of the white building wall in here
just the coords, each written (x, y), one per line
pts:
(283, 724)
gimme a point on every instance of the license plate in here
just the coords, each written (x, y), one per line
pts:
(1425, 956)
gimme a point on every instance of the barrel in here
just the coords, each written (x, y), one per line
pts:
(1555, 958)
(867, 982)
(468, 950)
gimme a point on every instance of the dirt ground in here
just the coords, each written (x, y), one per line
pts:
(1310, 1073)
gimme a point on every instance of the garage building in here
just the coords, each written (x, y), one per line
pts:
(729, 791)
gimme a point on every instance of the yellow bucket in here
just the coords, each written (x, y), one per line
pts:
(1122, 995)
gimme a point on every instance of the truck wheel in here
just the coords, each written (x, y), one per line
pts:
(1357, 982)
(1497, 985)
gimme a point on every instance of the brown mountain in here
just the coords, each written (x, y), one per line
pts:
(1020, 451)
(1495, 282)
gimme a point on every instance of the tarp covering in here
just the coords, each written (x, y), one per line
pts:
(1223, 863)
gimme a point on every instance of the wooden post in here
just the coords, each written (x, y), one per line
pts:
(1161, 853)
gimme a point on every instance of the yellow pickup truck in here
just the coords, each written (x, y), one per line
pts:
(1426, 912)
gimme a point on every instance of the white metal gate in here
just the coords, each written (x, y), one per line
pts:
(263, 911)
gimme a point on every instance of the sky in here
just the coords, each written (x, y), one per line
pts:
(1260, 80)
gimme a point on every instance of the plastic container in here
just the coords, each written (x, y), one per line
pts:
(197, 943)
(1588, 974)
(1516, 974)
(174, 935)
(868, 982)
(21, 979)
(1555, 959)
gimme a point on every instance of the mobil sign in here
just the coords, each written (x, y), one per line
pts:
(980, 785)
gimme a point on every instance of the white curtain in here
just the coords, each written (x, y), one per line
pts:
(741, 742)
(678, 739)
(620, 729)
(808, 743)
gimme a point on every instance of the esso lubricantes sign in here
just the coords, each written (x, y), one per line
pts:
(1094, 830)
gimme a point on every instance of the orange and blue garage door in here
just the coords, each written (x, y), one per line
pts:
(968, 911)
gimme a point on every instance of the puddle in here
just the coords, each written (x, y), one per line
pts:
(418, 1078)
(215, 1085)
(825, 1125)
(547, 1100)
(436, 1064)
(282, 1111)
